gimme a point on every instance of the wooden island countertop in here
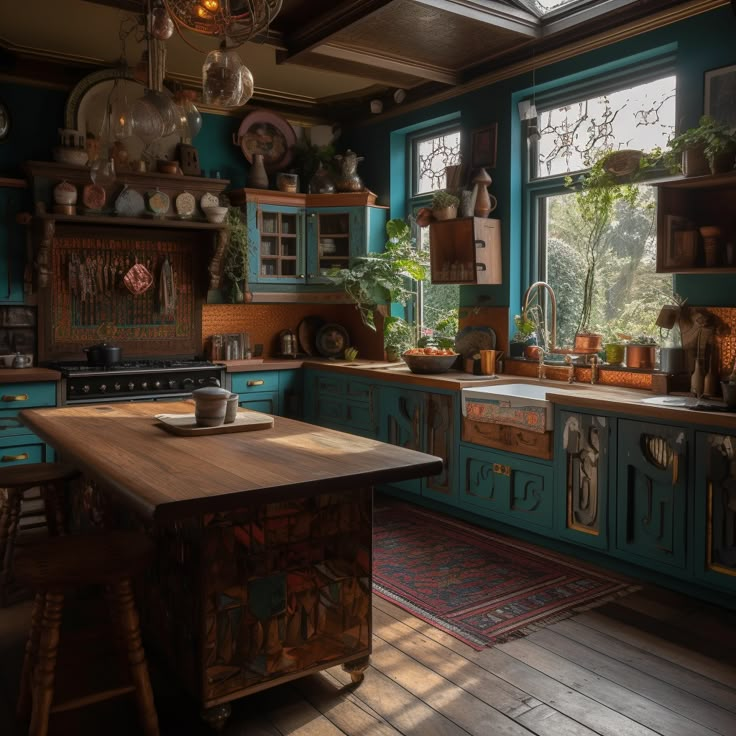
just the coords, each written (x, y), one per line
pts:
(163, 476)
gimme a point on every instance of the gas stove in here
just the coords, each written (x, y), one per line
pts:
(135, 380)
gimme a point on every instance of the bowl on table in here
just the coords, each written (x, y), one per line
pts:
(419, 363)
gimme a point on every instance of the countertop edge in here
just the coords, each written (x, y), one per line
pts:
(28, 375)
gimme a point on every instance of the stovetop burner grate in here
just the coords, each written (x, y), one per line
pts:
(68, 368)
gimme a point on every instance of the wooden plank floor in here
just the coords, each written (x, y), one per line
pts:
(651, 663)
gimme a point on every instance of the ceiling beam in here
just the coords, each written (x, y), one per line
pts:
(379, 61)
(492, 13)
(324, 26)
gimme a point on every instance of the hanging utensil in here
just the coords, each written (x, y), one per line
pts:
(138, 279)
(697, 380)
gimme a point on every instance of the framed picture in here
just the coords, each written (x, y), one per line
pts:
(720, 94)
(483, 147)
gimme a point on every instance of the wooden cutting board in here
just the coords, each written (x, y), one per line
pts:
(184, 424)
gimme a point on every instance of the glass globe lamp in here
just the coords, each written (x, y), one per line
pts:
(222, 78)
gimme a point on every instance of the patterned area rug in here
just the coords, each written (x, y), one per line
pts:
(479, 586)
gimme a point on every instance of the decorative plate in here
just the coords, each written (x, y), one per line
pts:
(306, 333)
(129, 203)
(185, 204)
(472, 339)
(158, 202)
(269, 134)
(94, 197)
(209, 200)
(331, 340)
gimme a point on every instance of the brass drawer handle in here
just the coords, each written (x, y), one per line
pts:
(502, 469)
(15, 397)
(255, 383)
(14, 458)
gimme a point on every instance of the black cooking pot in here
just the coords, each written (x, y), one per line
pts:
(103, 354)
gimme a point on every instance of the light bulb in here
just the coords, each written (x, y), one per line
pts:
(202, 12)
(211, 5)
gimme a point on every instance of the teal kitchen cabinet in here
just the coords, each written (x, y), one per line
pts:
(340, 402)
(425, 421)
(18, 445)
(584, 447)
(507, 487)
(652, 489)
(296, 238)
(714, 511)
(273, 392)
(12, 244)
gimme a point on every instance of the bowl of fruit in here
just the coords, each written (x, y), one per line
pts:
(430, 360)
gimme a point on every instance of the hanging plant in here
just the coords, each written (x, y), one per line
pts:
(235, 267)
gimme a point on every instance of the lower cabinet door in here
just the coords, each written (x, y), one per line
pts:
(582, 469)
(651, 523)
(265, 401)
(441, 441)
(714, 519)
(402, 415)
(502, 486)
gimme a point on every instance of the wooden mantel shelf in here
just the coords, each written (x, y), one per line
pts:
(115, 221)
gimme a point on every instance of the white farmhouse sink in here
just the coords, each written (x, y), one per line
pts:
(517, 404)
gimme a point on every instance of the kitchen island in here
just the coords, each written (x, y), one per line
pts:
(263, 565)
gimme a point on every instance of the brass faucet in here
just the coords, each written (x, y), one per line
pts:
(570, 368)
(553, 305)
(593, 360)
(541, 371)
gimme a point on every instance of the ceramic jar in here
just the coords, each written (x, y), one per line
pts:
(348, 179)
(65, 193)
(231, 410)
(210, 406)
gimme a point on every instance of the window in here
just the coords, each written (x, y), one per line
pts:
(428, 154)
(563, 140)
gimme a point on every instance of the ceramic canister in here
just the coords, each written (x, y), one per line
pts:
(210, 405)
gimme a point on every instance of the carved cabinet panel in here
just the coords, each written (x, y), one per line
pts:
(511, 489)
(582, 476)
(715, 509)
(652, 494)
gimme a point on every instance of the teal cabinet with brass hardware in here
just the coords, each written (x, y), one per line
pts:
(714, 510)
(272, 392)
(507, 487)
(584, 447)
(652, 495)
(18, 445)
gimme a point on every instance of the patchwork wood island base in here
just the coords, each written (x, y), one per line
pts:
(263, 539)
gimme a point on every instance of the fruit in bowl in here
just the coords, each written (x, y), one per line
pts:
(430, 360)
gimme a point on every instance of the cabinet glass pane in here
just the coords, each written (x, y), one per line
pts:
(288, 224)
(269, 222)
(338, 224)
(269, 246)
(288, 247)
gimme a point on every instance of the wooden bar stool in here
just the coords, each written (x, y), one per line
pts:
(14, 482)
(55, 566)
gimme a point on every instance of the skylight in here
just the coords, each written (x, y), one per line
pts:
(543, 8)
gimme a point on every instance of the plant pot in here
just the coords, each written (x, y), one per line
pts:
(723, 162)
(694, 162)
(392, 354)
(588, 342)
(445, 213)
(640, 356)
(615, 353)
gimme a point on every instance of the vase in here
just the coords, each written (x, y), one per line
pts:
(236, 293)
(640, 356)
(615, 353)
(587, 342)
(322, 182)
(485, 203)
(257, 177)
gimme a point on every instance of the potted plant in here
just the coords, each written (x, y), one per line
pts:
(525, 335)
(382, 278)
(641, 352)
(398, 336)
(710, 147)
(444, 205)
(235, 266)
(598, 191)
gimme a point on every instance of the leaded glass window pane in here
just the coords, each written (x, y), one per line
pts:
(431, 156)
(639, 117)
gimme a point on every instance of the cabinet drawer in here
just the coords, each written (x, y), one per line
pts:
(511, 439)
(265, 401)
(246, 382)
(22, 455)
(17, 396)
(511, 489)
(354, 391)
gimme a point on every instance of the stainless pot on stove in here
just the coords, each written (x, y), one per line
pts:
(103, 354)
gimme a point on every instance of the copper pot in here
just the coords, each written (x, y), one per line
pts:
(640, 356)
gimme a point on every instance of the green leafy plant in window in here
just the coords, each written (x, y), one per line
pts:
(398, 336)
(715, 139)
(383, 278)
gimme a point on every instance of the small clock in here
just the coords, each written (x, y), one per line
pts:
(4, 121)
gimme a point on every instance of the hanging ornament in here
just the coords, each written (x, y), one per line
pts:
(223, 78)
(162, 27)
(191, 118)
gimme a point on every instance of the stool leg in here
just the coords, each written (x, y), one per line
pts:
(8, 532)
(45, 670)
(23, 709)
(122, 593)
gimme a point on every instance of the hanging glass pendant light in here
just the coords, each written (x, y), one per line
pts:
(225, 80)
(121, 124)
(190, 117)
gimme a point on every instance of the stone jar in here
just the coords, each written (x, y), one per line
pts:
(210, 406)
(257, 177)
(347, 178)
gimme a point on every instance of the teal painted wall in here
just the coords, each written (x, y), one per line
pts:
(704, 42)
